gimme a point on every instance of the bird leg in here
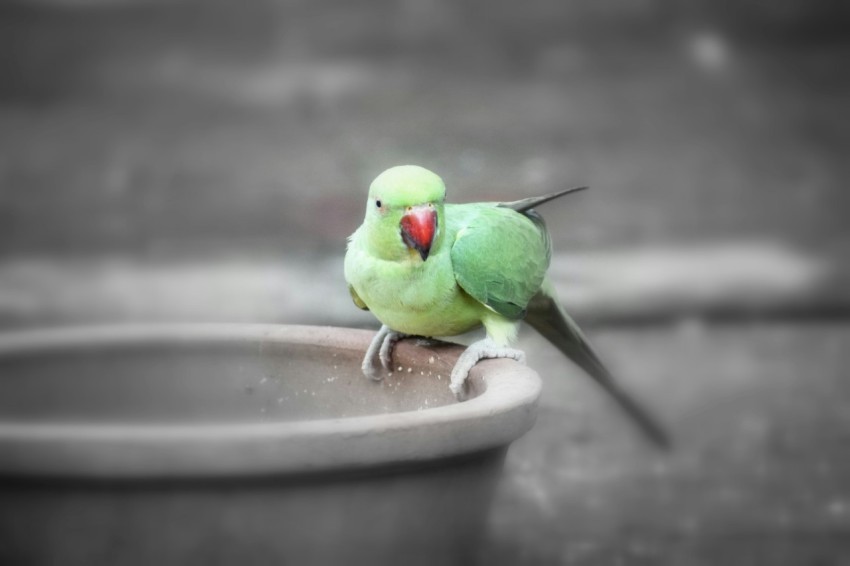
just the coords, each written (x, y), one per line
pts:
(477, 351)
(381, 350)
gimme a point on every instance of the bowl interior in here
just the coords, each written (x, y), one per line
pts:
(174, 381)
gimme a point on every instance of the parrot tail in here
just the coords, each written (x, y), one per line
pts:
(527, 204)
(546, 315)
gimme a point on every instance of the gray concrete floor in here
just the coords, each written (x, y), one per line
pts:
(761, 418)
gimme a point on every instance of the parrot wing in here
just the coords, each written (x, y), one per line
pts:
(356, 298)
(499, 256)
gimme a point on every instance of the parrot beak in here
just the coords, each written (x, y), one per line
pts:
(418, 228)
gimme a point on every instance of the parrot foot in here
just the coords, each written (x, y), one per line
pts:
(477, 351)
(381, 351)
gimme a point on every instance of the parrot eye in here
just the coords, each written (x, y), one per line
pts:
(378, 203)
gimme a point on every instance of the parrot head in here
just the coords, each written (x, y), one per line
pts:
(404, 210)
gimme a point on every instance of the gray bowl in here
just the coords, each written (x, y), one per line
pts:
(245, 444)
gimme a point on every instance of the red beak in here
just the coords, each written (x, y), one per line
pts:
(418, 228)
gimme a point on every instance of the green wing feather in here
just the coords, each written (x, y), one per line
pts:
(358, 302)
(501, 251)
(499, 256)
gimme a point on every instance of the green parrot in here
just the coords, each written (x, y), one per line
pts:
(427, 268)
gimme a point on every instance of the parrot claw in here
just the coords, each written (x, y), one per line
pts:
(483, 349)
(382, 349)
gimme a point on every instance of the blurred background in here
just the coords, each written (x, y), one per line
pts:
(205, 160)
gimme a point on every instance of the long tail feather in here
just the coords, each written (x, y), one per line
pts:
(546, 315)
(530, 202)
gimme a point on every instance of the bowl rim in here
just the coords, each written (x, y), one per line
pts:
(501, 413)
